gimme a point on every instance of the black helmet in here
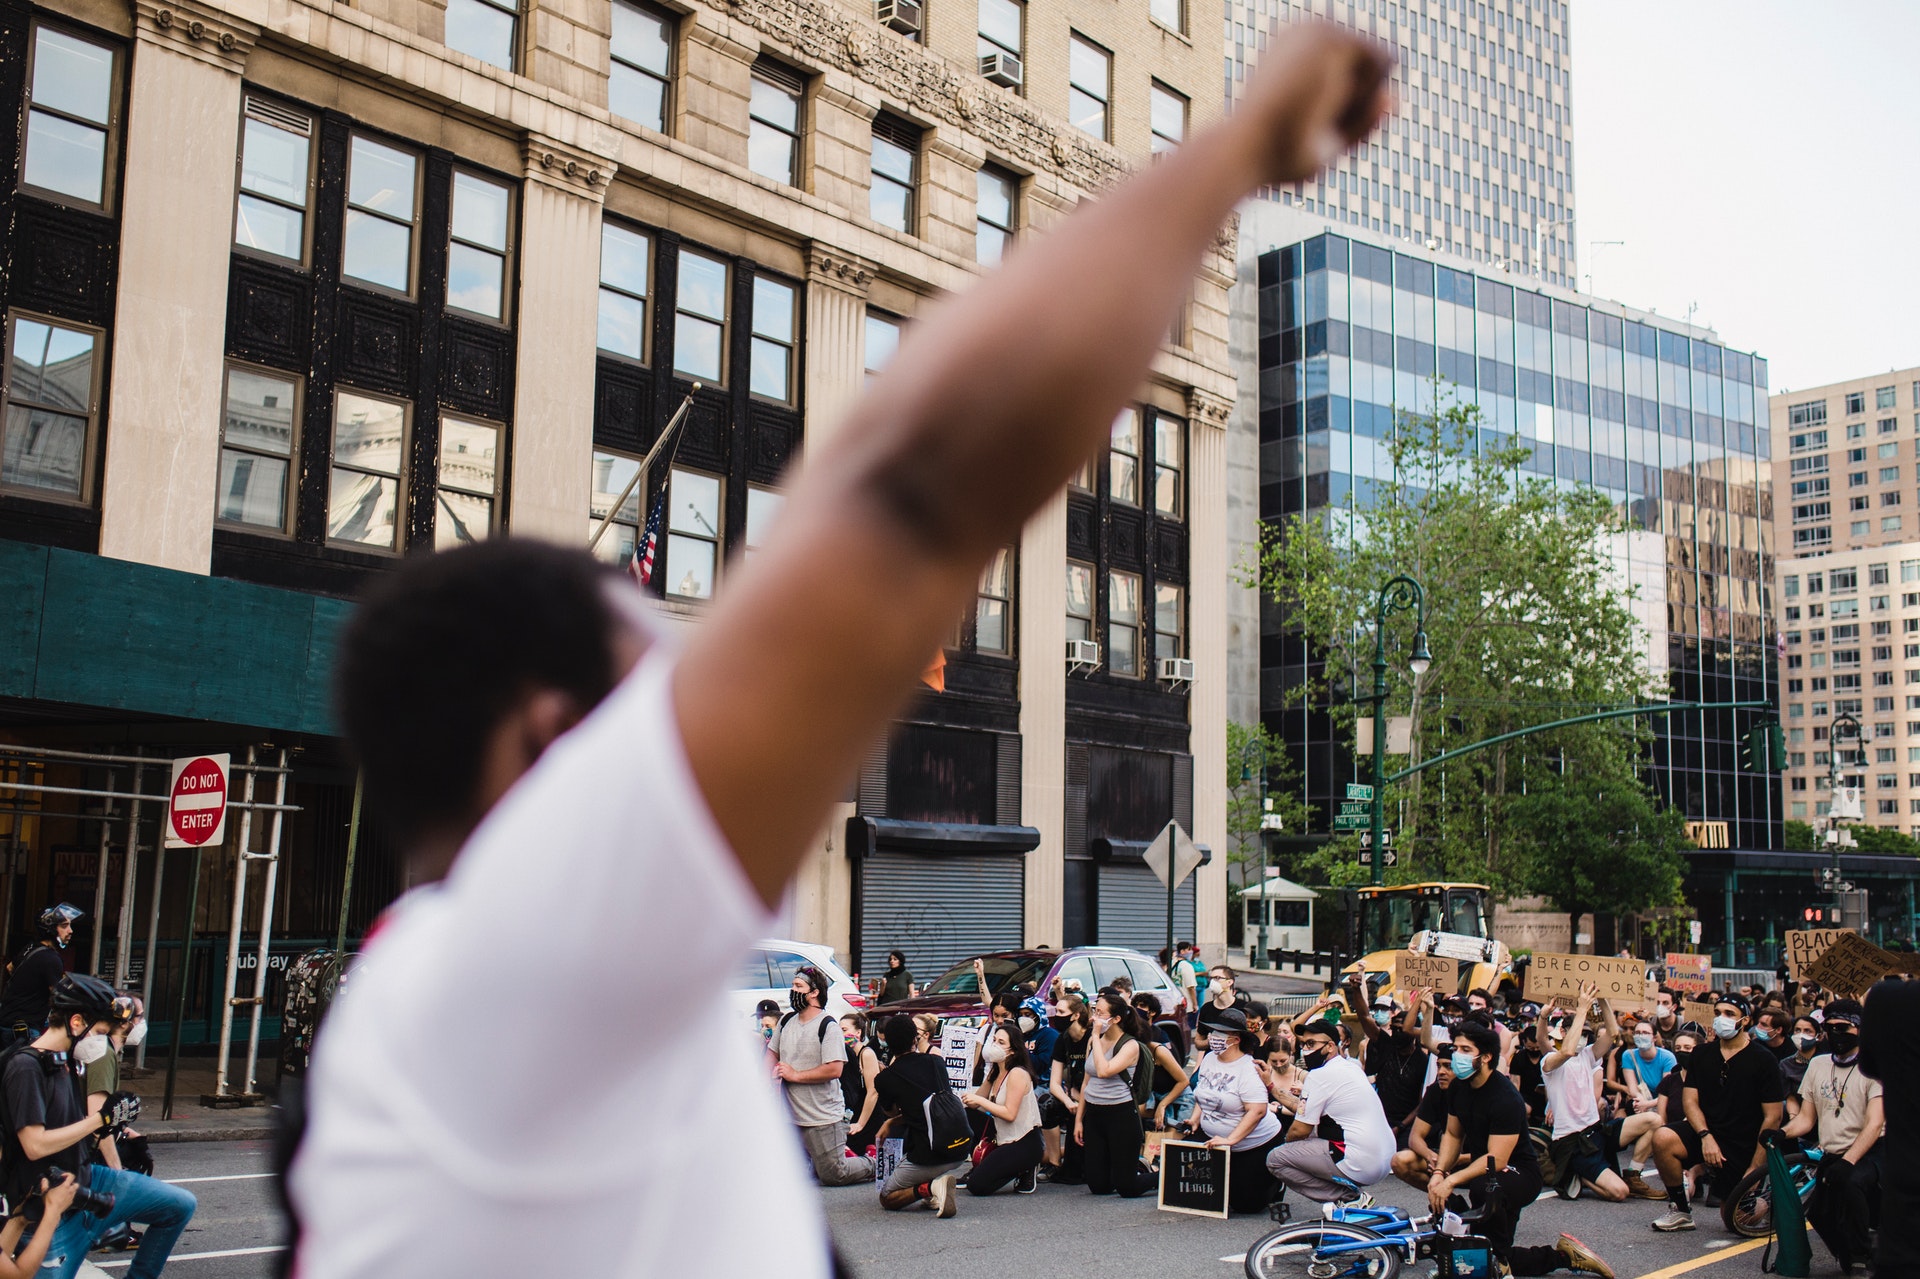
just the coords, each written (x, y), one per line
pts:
(48, 925)
(88, 996)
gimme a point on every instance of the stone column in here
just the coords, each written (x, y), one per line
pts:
(950, 191)
(170, 318)
(557, 317)
(1207, 571)
(1042, 628)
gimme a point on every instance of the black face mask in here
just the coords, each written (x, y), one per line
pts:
(1314, 1059)
(1842, 1040)
(1059, 1023)
(799, 1001)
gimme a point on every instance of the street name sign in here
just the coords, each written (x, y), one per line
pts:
(1357, 791)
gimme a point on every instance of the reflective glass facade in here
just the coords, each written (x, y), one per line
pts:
(1672, 428)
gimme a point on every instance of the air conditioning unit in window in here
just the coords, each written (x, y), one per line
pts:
(1001, 68)
(902, 15)
(1082, 656)
(1176, 672)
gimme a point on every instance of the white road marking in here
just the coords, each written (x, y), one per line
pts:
(238, 1176)
(199, 1256)
(1238, 1259)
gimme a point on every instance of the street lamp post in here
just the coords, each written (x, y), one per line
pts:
(1847, 720)
(1401, 594)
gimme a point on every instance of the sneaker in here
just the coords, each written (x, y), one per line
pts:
(1674, 1220)
(1637, 1187)
(1581, 1257)
(940, 1195)
(1029, 1181)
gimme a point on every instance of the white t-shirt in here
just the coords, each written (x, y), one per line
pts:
(587, 1139)
(1570, 1092)
(1224, 1091)
(1839, 1096)
(1340, 1090)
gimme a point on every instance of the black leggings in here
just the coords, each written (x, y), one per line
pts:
(1503, 1196)
(1114, 1137)
(1252, 1184)
(1004, 1165)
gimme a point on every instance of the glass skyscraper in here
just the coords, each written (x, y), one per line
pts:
(1669, 424)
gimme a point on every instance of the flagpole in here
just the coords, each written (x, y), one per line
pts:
(673, 424)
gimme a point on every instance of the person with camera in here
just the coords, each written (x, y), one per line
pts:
(32, 977)
(123, 1148)
(55, 1198)
(49, 1132)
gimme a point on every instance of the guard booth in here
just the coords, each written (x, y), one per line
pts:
(1130, 902)
(1287, 910)
(941, 891)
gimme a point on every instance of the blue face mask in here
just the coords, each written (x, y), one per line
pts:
(1464, 1066)
(1382, 1016)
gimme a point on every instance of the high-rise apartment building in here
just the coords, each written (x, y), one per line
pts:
(1478, 161)
(292, 291)
(1847, 464)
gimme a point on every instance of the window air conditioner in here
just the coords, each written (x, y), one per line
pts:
(1083, 655)
(1001, 68)
(902, 15)
(1176, 670)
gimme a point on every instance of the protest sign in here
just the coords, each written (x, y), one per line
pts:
(1621, 981)
(1193, 1179)
(1429, 972)
(956, 1049)
(1850, 964)
(891, 1152)
(1689, 974)
(1698, 1011)
(1804, 945)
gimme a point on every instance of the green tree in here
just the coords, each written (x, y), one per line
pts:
(1874, 839)
(1798, 837)
(1527, 619)
(1597, 842)
(1253, 750)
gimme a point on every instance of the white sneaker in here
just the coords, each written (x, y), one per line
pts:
(1674, 1220)
(940, 1195)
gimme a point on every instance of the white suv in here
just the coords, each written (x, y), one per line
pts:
(767, 973)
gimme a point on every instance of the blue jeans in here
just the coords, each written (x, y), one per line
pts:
(142, 1201)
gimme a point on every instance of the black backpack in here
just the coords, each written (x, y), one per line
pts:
(1142, 1079)
(950, 1135)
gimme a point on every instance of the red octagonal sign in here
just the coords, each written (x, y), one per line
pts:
(197, 808)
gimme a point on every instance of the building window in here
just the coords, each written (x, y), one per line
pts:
(71, 119)
(1889, 524)
(996, 192)
(1079, 601)
(469, 475)
(1123, 458)
(369, 442)
(1168, 13)
(612, 472)
(51, 424)
(276, 184)
(1123, 623)
(1169, 461)
(693, 534)
(700, 317)
(1000, 31)
(1167, 112)
(771, 373)
(625, 262)
(1883, 397)
(896, 144)
(642, 65)
(994, 606)
(762, 505)
(1169, 621)
(773, 123)
(477, 252)
(1089, 84)
(381, 211)
(882, 340)
(256, 447)
(484, 29)
(1856, 402)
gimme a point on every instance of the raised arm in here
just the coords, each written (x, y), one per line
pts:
(995, 398)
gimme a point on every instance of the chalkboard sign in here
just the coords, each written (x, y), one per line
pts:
(1193, 1179)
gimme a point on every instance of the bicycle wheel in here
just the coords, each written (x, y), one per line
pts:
(1748, 1211)
(1295, 1252)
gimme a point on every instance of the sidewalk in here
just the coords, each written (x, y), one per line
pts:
(192, 1120)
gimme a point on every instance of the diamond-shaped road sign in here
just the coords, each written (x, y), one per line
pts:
(1172, 843)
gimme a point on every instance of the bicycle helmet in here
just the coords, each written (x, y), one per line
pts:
(88, 996)
(48, 925)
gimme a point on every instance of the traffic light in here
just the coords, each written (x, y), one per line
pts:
(1763, 749)
(1813, 915)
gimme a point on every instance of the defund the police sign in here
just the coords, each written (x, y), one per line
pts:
(197, 805)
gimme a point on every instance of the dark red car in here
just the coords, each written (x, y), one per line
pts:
(1083, 970)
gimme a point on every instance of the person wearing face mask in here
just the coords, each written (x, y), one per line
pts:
(1172, 1099)
(49, 1132)
(1844, 1111)
(1286, 1079)
(1231, 1111)
(1340, 1130)
(914, 1076)
(1398, 1056)
(1068, 1076)
(122, 1148)
(1733, 1092)
(856, 1086)
(1108, 1123)
(1486, 1154)
(1007, 1096)
(1186, 976)
(32, 977)
(898, 985)
(1568, 1064)
(1642, 1067)
(809, 1056)
(1773, 1030)
(1223, 989)
(1806, 1042)
(1666, 1016)
(1414, 1163)
(1038, 1037)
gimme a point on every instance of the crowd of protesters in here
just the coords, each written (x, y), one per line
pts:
(1484, 1102)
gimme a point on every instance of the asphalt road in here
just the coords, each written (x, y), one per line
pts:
(1064, 1233)
(235, 1232)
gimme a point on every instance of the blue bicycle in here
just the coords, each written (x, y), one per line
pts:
(1349, 1241)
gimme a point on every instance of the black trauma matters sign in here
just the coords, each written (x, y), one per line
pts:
(1193, 1178)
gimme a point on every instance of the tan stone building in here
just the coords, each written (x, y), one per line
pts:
(295, 288)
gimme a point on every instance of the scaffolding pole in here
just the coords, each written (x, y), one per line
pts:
(233, 935)
(153, 933)
(129, 884)
(100, 886)
(259, 999)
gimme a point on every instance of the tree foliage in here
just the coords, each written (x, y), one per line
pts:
(1528, 621)
(1253, 750)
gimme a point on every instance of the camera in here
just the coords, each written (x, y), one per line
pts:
(97, 1202)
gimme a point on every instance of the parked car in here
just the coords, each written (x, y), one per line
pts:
(1084, 970)
(767, 973)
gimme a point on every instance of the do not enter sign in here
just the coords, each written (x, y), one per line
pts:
(197, 809)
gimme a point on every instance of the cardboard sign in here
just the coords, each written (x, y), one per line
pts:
(891, 1152)
(1689, 974)
(1700, 1012)
(1805, 945)
(1150, 1149)
(1622, 982)
(956, 1049)
(1429, 972)
(1193, 1179)
(1850, 964)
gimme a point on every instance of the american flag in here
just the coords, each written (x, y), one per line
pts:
(641, 565)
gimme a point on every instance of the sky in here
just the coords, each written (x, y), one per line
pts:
(1760, 159)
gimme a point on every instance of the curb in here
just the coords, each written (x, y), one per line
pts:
(211, 1134)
